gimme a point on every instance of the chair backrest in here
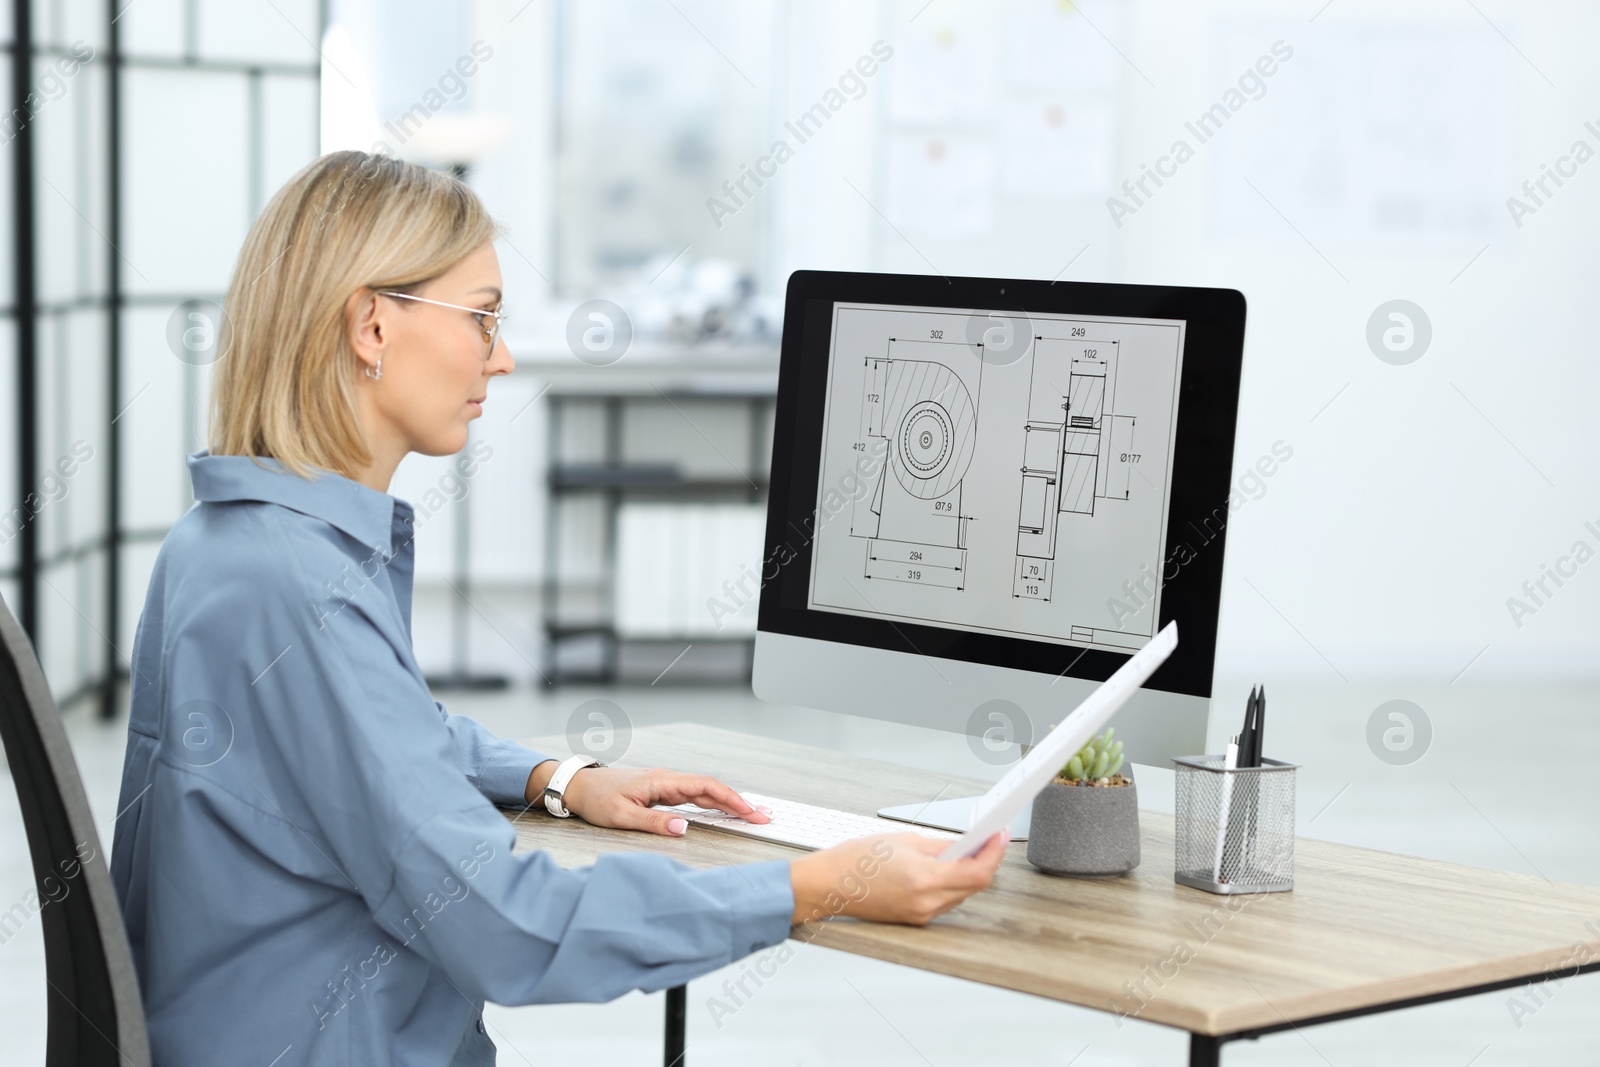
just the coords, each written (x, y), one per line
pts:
(95, 1014)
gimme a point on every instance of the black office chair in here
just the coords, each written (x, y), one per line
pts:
(95, 1014)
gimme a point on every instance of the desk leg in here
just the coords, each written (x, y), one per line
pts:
(1205, 1051)
(677, 1006)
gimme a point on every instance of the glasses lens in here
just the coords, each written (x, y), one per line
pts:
(494, 333)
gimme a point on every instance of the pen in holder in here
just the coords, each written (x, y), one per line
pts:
(1234, 825)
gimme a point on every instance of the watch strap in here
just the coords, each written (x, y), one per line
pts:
(555, 789)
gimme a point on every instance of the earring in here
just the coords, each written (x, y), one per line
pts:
(379, 371)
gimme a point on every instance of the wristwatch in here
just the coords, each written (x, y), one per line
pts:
(557, 785)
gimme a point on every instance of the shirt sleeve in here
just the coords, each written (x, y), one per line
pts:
(497, 767)
(363, 763)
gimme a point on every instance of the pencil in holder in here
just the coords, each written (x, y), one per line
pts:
(1234, 826)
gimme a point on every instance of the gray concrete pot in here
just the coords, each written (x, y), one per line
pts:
(1085, 831)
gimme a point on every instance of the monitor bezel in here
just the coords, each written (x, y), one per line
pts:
(1201, 478)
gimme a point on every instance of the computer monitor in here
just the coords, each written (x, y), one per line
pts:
(986, 493)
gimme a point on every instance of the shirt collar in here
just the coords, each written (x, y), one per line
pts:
(364, 513)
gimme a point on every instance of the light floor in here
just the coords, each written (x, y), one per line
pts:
(1509, 782)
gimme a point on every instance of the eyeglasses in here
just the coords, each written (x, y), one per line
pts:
(491, 329)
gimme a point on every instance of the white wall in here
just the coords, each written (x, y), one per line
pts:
(1422, 497)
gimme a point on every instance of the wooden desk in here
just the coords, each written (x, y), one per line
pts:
(1362, 932)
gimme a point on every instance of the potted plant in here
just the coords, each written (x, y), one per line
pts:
(1085, 823)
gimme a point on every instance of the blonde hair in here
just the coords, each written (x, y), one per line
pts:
(284, 385)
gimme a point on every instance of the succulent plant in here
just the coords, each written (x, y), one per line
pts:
(1100, 758)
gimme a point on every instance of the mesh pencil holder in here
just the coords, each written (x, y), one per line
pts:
(1234, 828)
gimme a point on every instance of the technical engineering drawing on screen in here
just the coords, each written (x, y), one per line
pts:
(1023, 494)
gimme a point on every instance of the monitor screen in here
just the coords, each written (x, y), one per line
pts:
(1018, 474)
(998, 472)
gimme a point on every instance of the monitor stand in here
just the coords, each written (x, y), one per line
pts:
(953, 813)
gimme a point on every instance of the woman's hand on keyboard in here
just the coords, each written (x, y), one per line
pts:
(896, 878)
(621, 797)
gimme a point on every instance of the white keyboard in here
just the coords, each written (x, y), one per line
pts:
(801, 825)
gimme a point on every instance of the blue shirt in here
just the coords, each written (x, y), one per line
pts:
(309, 859)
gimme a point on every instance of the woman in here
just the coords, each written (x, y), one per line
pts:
(309, 858)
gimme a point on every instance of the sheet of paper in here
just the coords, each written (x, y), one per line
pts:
(941, 186)
(946, 66)
(1054, 150)
(996, 808)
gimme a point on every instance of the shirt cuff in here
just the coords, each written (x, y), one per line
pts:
(504, 778)
(760, 898)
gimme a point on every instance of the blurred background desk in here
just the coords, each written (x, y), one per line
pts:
(656, 474)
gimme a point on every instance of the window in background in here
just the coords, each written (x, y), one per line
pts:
(156, 133)
(219, 108)
(951, 138)
(657, 106)
(998, 142)
(72, 287)
(401, 79)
